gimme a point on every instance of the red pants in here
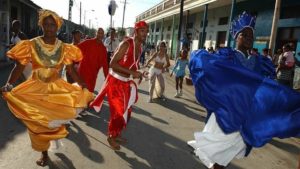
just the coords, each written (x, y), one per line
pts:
(122, 94)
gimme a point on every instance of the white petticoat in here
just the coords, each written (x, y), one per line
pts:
(212, 145)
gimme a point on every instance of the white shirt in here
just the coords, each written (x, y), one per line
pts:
(15, 40)
(111, 47)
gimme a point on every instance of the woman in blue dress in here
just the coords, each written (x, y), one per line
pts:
(246, 107)
(179, 70)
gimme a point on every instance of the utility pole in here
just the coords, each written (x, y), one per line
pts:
(232, 13)
(124, 13)
(203, 35)
(80, 14)
(274, 25)
(180, 25)
(70, 10)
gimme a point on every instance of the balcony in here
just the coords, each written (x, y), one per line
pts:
(170, 7)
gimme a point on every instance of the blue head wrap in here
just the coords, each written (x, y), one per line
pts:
(243, 21)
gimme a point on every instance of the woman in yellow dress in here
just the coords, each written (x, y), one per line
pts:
(45, 102)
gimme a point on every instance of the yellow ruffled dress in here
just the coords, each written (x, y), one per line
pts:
(45, 101)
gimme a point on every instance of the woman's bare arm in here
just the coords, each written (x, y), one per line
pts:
(14, 76)
(72, 72)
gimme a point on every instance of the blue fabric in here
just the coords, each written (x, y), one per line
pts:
(243, 96)
(179, 67)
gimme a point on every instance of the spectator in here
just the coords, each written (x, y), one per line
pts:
(111, 43)
(76, 36)
(276, 57)
(266, 53)
(296, 81)
(211, 50)
(254, 52)
(286, 66)
(17, 34)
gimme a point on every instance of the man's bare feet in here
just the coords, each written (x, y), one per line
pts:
(113, 143)
(43, 160)
(121, 140)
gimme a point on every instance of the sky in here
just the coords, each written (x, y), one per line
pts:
(96, 11)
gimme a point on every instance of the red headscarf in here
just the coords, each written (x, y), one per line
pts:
(140, 24)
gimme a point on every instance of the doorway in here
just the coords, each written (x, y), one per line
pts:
(221, 38)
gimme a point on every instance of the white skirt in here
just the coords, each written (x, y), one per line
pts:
(212, 145)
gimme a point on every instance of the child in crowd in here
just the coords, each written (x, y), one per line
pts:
(179, 70)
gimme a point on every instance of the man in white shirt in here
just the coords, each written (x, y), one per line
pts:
(265, 53)
(111, 43)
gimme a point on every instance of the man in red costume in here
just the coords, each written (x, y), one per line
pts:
(94, 58)
(119, 87)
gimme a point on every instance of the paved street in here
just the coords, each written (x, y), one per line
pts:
(157, 135)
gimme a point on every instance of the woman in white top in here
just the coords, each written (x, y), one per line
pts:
(161, 62)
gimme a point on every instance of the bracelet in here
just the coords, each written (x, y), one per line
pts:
(8, 87)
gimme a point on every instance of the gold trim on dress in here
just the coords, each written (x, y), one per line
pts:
(48, 55)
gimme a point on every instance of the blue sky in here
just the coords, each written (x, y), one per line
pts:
(97, 11)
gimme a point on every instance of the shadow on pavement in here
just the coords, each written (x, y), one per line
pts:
(138, 110)
(160, 149)
(63, 163)
(181, 108)
(98, 121)
(170, 152)
(10, 126)
(143, 92)
(285, 146)
(134, 162)
(79, 137)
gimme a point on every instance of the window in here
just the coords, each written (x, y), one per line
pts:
(169, 28)
(223, 21)
(254, 13)
(290, 12)
(190, 25)
(168, 37)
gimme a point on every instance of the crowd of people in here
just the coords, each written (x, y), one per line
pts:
(233, 125)
(285, 60)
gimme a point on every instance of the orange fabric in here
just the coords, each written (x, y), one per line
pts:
(45, 98)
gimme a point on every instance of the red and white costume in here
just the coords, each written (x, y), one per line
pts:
(121, 93)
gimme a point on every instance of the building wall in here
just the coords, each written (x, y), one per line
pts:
(263, 9)
(213, 28)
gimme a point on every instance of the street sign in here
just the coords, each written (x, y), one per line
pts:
(112, 7)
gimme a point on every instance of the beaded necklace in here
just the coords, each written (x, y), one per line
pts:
(48, 58)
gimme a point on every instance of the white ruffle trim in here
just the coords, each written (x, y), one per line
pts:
(57, 123)
(212, 145)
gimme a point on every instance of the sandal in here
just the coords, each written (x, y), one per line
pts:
(42, 161)
(113, 144)
(121, 140)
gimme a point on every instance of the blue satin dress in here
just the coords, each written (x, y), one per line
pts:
(244, 97)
